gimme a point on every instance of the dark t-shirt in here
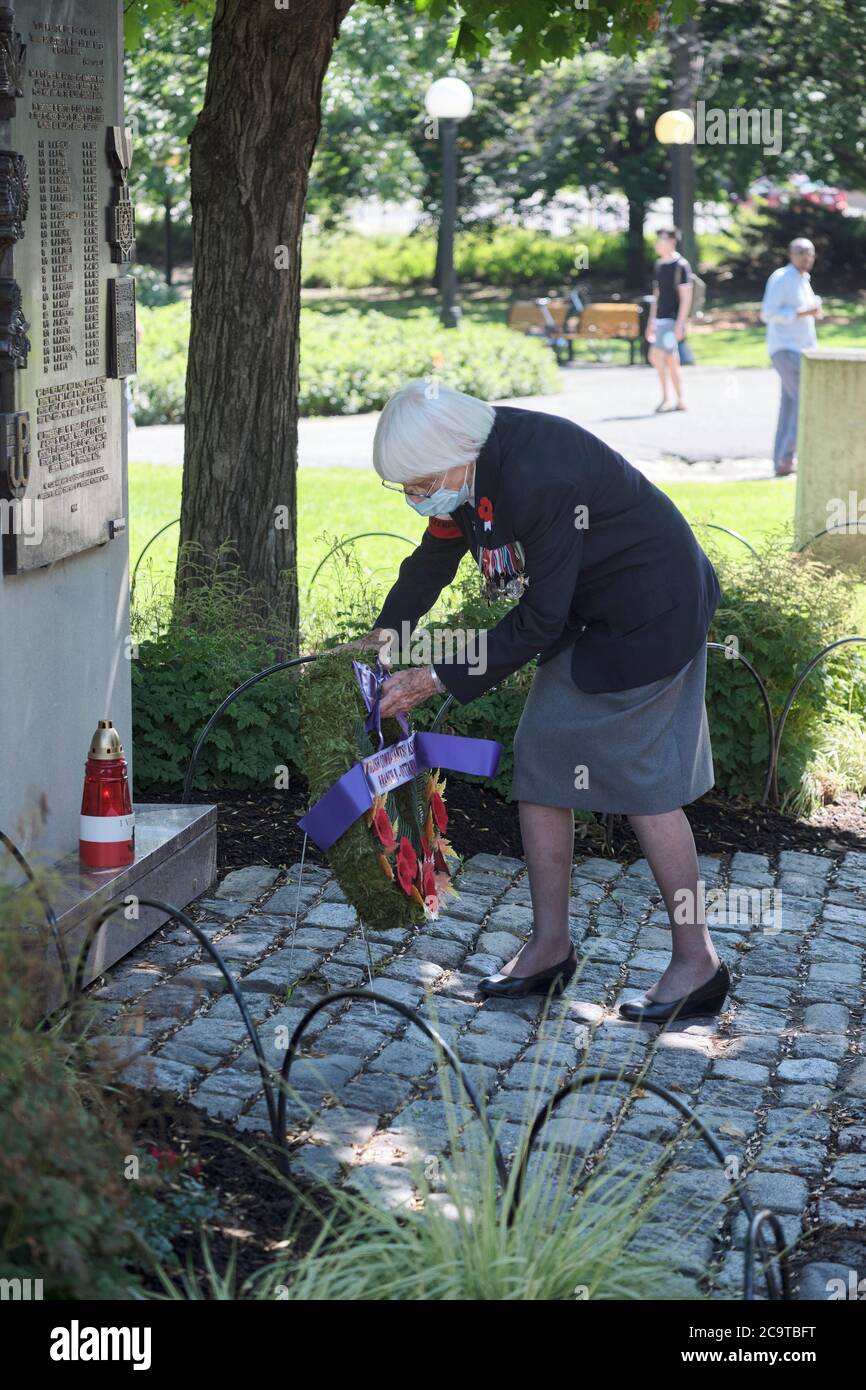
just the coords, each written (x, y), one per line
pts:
(668, 277)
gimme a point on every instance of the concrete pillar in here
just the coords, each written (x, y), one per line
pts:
(831, 455)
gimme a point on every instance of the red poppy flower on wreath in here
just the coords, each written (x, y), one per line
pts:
(440, 815)
(485, 511)
(383, 828)
(407, 865)
(428, 885)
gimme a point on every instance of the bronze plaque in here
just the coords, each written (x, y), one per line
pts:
(57, 366)
(121, 326)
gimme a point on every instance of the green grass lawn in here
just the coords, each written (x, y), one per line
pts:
(340, 502)
(728, 344)
(345, 501)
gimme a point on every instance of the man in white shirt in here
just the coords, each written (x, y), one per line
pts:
(789, 309)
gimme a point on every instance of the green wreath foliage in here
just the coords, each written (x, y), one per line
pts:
(333, 739)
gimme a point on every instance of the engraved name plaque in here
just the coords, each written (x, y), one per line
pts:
(63, 266)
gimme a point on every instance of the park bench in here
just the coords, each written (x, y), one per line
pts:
(558, 322)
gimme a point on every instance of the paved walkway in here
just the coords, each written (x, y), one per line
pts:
(780, 1077)
(726, 433)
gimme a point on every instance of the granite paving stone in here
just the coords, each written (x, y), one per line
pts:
(228, 910)
(288, 900)
(280, 970)
(248, 884)
(808, 1069)
(829, 1045)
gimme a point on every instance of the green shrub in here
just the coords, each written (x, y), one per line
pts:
(64, 1201)
(352, 362)
(512, 256)
(782, 609)
(187, 661)
(151, 291)
(352, 261)
(170, 1201)
(501, 255)
(159, 385)
(765, 234)
(150, 239)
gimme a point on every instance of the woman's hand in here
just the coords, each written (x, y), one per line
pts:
(650, 333)
(405, 690)
(378, 637)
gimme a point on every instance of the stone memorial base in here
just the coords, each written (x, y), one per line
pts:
(831, 457)
(175, 860)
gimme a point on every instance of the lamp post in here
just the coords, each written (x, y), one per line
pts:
(448, 101)
(677, 129)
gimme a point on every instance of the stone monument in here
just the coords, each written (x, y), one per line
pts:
(67, 342)
(831, 457)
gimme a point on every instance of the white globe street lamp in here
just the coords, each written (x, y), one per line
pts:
(448, 99)
(675, 128)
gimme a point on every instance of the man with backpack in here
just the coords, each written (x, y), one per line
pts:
(673, 288)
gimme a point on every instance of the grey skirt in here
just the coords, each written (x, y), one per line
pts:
(634, 752)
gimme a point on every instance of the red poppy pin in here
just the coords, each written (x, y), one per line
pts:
(485, 511)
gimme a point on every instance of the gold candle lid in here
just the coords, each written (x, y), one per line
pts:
(105, 742)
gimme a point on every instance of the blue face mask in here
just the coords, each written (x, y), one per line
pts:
(442, 501)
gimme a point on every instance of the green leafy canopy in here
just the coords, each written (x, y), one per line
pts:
(539, 30)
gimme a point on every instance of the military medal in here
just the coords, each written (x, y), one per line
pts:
(502, 571)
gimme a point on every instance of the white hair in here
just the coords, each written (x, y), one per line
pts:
(427, 428)
(801, 243)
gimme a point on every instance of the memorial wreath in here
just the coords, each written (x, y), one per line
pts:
(377, 802)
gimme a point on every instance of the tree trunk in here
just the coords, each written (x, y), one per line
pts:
(169, 252)
(250, 154)
(635, 254)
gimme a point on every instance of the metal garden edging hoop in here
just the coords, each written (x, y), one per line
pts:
(350, 540)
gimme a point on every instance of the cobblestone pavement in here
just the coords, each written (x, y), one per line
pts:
(780, 1076)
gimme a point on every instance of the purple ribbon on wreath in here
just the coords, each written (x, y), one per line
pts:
(354, 792)
(371, 682)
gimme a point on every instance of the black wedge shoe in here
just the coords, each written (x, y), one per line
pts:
(708, 999)
(556, 977)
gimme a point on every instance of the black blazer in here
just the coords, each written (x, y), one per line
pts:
(613, 568)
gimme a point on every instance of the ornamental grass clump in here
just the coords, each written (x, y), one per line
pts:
(394, 862)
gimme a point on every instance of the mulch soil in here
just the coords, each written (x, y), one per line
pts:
(260, 827)
(260, 1211)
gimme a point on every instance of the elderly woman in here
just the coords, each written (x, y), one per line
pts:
(615, 597)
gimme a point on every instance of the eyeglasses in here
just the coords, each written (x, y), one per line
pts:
(410, 492)
(413, 491)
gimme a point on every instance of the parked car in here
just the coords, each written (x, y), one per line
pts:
(778, 195)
